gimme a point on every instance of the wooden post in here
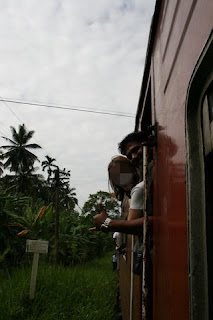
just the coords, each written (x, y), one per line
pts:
(35, 246)
(34, 275)
(56, 214)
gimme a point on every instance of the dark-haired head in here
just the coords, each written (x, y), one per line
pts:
(131, 137)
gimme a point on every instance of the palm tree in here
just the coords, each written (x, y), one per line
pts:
(1, 165)
(68, 198)
(27, 182)
(48, 164)
(18, 157)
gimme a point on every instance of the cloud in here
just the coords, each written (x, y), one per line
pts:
(78, 53)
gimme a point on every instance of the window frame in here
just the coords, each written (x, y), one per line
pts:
(198, 280)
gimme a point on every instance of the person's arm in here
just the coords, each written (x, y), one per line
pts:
(134, 226)
(135, 214)
(125, 226)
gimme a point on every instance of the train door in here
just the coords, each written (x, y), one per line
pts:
(199, 142)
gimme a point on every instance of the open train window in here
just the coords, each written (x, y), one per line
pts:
(207, 121)
(199, 142)
(207, 130)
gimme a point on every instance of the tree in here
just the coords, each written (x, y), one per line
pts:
(10, 247)
(48, 164)
(1, 165)
(63, 195)
(68, 198)
(91, 207)
(19, 158)
(61, 184)
(25, 182)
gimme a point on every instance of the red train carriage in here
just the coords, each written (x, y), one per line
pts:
(177, 97)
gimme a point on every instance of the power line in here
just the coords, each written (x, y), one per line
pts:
(21, 122)
(3, 134)
(3, 130)
(70, 108)
(11, 110)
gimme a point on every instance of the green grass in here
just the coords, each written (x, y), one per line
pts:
(86, 292)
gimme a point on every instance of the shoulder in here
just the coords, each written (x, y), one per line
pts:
(137, 196)
(138, 186)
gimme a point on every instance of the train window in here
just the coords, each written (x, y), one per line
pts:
(210, 100)
(207, 121)
(199, 143)
(207, 129)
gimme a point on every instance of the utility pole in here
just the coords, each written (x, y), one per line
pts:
(57, 181)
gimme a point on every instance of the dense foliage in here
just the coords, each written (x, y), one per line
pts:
(31, 206)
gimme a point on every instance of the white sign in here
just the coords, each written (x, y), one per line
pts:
(37, 246)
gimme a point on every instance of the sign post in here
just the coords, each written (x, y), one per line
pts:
(35, 246)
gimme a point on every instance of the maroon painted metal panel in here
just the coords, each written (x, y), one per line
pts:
(137, 285)
(182, 31)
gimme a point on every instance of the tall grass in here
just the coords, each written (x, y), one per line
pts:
(86, 292)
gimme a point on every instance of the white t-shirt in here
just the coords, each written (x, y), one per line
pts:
(136, 201)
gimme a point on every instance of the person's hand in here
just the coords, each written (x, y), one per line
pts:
(100, 218)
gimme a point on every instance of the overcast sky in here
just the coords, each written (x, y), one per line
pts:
(84, 53)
